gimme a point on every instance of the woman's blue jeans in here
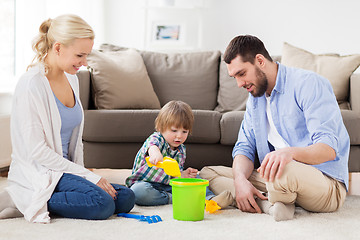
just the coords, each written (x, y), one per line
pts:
(76, 197)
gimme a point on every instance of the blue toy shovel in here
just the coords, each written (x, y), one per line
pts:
(148, 219)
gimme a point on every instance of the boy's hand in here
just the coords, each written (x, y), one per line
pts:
(155, 159)
(189, 173)
(154, 155)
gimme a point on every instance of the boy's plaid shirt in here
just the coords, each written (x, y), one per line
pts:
(142, 172)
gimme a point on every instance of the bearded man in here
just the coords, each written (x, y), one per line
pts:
(294, 127)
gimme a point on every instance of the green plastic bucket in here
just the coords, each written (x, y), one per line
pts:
(188, 198)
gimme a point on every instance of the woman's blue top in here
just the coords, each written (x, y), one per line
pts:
(70, 119)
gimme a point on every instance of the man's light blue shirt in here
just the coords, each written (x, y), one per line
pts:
(305, 111)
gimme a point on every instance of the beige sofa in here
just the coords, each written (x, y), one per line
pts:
(113, 133)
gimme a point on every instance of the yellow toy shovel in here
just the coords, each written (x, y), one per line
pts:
(211, 206)
(170, 166)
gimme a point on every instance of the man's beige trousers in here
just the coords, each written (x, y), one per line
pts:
(300, 183)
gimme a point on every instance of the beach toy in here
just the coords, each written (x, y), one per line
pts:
(211, 206)
(188, 198)
(148, 219)
(170, 166)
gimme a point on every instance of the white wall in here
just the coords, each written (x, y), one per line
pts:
(124, 22)
(316, 25)
(319, 26)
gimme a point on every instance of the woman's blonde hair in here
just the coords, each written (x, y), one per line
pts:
(174, 113)
(63, 29)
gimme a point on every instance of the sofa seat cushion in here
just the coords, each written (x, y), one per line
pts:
(136, 125)
(206, 127)
(352, 123)
(190, 77)
(229, 126)
(118, 125)
(231, 121)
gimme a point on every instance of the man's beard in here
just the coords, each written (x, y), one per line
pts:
(261, 83)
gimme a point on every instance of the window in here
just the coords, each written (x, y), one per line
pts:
(17, 30)
(7, 46)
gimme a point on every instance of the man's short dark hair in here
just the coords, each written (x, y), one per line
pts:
(245, 46)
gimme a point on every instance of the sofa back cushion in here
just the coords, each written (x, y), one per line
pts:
(135, 125)
(230, 96)
(120, 81)
(191, 77)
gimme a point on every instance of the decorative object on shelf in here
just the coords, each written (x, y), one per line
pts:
(166, 28)
(167, 32)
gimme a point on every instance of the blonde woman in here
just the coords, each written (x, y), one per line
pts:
(47, 175)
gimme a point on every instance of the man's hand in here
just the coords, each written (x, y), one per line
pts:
(107, 187)
(189, 173)
(245, 192)
(274, 163)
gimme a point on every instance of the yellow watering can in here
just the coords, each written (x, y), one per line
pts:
(170, 166)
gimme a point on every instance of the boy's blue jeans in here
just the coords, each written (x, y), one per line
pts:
(76, 197)
(153, 194)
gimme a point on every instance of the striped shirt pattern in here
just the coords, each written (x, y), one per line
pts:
(142, 172)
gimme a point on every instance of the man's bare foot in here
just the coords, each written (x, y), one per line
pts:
(279, 210)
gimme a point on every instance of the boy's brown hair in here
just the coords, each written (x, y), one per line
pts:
(175, 113)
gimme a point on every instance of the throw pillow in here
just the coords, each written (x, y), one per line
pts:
(230, 96)
(337, 69)
(120, 80)
(191, 77)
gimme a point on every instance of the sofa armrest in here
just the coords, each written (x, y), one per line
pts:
(355, 92)
(85, 88)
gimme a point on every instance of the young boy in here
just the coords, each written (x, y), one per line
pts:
(173, 125)
(151, 185)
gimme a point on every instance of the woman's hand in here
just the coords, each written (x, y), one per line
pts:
(189, 173)
(107, 187)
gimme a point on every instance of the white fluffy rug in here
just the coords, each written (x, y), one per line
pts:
(225, 224)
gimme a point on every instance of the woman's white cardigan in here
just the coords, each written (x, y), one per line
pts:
(37, 161)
